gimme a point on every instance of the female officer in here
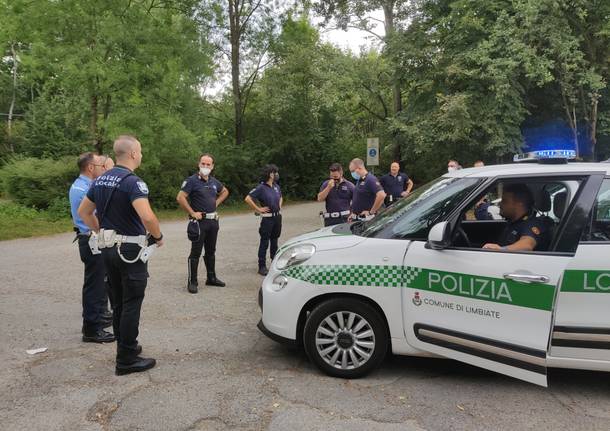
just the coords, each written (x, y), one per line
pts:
(269, 198)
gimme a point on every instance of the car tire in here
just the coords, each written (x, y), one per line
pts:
(345, 337)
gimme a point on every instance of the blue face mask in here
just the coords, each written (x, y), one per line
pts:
(355, 176)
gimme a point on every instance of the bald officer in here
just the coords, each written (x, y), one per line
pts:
(200, 196)
(396, 184)
(117, 202)
(368, 193)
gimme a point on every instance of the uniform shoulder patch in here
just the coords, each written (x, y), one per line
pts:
(252, 191)
(183, 184)
(535, 230)
(142, 186)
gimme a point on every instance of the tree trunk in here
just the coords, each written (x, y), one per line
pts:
(593, 124)
(9, 128)
(235, 63)
(388, 13)
(93, 122)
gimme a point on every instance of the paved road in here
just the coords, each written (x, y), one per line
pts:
(216, 371)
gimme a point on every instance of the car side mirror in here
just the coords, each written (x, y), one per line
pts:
(438, 237)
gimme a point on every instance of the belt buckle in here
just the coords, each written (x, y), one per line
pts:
(335, 215)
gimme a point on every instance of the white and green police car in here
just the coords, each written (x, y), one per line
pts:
(415, 280)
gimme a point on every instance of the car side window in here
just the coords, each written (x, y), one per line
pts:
(600, 216)
(481, 221)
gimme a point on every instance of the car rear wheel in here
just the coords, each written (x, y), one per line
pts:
(345, 337)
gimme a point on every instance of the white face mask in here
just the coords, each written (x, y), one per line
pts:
(451, 169)
(205, 171)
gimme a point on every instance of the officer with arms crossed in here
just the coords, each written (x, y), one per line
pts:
(200, 196)
(269, 196)
(524, 232)
(337, 192)
(95, 293)
(368, 193)
(396, 184)
(124, 216)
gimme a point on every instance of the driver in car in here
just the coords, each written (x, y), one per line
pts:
(524, 232)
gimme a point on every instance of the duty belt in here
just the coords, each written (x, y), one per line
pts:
(108, 238)
(209, 216)
(335, 214)
(270, 214)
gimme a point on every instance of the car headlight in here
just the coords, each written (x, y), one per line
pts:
(295, 255)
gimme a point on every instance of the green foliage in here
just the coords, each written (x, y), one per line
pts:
(38, 183)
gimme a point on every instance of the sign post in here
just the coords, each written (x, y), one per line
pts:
(372, 152)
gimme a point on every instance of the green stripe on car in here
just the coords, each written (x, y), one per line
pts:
(586, 281)
(534, 295)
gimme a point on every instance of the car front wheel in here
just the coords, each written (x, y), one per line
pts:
(345, 337)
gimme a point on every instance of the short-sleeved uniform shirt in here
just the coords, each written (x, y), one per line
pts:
(340, 197)
(78, 191)
(526, 226)
(365, 191)
(394, 185)
(267, 196)
(119, 214)
(202, 193)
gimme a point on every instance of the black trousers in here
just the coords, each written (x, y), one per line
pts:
(95, 291)
(269, 230)
(330, 221)
(207, 239)
(127, 283)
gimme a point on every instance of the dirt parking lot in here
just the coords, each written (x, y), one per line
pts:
(216, 371)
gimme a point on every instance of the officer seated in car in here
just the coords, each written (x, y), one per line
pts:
(525, 231)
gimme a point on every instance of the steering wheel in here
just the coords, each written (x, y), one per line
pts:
(461, 232)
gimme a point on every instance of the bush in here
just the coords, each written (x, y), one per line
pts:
(38, 182)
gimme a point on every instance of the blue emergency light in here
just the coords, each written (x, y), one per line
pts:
(546, 156)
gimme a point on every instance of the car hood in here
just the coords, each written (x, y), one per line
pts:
(328, 238)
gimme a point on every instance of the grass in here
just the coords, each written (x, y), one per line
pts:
(17, 221)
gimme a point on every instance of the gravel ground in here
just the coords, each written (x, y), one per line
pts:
(216, 371)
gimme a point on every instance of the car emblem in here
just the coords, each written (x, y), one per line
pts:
(417, 299)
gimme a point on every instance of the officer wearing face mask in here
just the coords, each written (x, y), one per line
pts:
(368, 193)
(266, 200)
(337, 192)
(200, 196)
(453, 165)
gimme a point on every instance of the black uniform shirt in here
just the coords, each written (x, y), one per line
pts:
(365, 193)
(340, 197)
(526, 226)
(118, 214)
(394, 185)
(202, 194)
(268, 196)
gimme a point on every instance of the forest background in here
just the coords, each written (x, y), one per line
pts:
(463, 79)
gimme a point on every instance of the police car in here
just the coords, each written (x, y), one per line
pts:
(415, 280)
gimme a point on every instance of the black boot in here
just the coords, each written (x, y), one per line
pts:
(97, 336)
(210, 265)
(128, 361)
(262, 269)
(192, 281)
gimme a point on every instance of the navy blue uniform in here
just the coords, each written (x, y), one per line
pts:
(365, 193)
(527, 226)
(127, 280)
(339, 199)
(394, 185)
(271, 227)
(481, 211)
(202, 196)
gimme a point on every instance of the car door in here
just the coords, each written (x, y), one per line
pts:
(492, 309)
(581, 332)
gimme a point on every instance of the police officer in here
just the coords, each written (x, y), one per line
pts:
(368, 193)
(120, 200)
(453, 165)
(396, 184)
(95, 294)
(269, 197)
(200, 196)
(337, 192)
(524, 232)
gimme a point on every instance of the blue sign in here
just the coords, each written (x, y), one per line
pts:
(372, 152)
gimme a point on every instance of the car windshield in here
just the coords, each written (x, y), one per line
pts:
(413, 216)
